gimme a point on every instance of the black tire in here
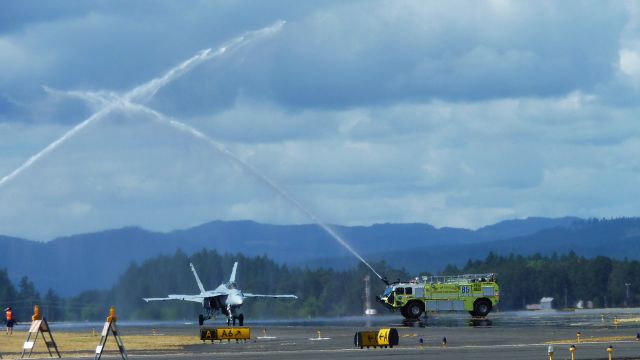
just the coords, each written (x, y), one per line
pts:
(200, 319)
(481, 307)
(241, 319)
(413, 310)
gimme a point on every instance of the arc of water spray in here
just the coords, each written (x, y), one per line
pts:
(218, 147)
(112, 101)
(163, 119)
(145, 91)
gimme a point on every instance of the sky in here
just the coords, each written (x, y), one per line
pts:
(456, 113)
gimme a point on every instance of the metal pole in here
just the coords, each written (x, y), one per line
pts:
(626, 302)
(572, 349)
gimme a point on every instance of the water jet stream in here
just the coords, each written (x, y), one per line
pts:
(221, 149)
(163, 119)
(145, 91)
(113, 101)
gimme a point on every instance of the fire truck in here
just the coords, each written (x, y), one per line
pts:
(476, 293)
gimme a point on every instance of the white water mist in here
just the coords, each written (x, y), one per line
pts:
(111, 101)
(142, 92)
(218, 147)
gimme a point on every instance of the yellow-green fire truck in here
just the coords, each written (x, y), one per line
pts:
(475, 293)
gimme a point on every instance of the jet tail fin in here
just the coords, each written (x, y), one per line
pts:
(193, 269)
(232, 279)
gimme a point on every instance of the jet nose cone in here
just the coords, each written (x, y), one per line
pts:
(234, 299)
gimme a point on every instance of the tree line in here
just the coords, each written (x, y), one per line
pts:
(322, 292)
(567, 278)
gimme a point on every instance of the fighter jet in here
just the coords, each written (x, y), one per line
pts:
(226, 299)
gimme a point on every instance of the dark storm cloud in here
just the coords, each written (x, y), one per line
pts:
(467, 52)
(330, 55)
(404, 51)
(117, 45)
(18, 15)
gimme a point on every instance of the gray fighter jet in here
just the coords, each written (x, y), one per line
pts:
(226, 299)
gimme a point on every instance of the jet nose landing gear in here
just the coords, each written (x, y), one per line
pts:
(233, 318)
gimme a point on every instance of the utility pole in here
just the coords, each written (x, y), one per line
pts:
(368, 310)
(626, 301)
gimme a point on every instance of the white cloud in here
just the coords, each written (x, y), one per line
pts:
(16, 61)
(450, 164)
(630, 64)
(457, 114)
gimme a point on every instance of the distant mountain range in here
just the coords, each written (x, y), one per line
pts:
(96, 260)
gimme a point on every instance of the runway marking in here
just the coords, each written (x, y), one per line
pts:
(399, 349)
(594, 340)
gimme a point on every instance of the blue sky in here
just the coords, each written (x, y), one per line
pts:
(459, 113)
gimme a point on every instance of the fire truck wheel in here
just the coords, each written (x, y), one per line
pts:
(414, 309)
(481, 307)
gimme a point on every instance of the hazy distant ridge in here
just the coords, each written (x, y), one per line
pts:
(95, 260)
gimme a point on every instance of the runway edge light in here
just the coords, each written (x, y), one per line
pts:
(572, 350)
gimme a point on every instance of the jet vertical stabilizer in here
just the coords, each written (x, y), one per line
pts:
(232, 278)
(193, 269)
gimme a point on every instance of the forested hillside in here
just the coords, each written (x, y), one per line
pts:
(525, 280)
(81, 262)
(322, 292)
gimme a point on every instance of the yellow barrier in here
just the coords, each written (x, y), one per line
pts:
(381, 338)
(228, 333)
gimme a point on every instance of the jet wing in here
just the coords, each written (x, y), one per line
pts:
(194, 298)
(269, 296)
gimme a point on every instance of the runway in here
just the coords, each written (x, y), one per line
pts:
(507, 336)
(462, 343)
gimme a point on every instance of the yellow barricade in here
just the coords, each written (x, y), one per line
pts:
(228, 333)
(366, 338)
(382, 338)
